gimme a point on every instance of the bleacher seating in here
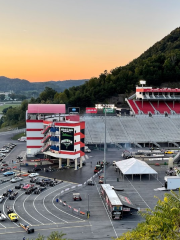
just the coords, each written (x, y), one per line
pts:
(175, 107)
(145, 106)
(161, 107)
(132, 129)
(133, 106)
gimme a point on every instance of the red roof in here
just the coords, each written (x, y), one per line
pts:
(46, 108)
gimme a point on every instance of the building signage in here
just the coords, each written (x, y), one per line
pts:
(91, 110)
(108, 110)
(74, 110)
(67, 139)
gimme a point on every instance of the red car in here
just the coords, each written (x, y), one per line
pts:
(27, 186)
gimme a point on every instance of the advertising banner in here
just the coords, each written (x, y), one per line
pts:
(108, 110)
(74, 110)
(67, 139)
(91, 110)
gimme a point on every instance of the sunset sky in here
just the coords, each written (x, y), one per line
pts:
(43, 40)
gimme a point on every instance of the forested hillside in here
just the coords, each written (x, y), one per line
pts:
(159, 64)
(22, 86)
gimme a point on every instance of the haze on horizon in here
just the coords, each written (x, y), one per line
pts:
(43, 40)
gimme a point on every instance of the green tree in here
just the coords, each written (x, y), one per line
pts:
(161, 223)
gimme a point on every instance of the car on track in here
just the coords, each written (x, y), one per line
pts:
(2, 216)
(27, 186)
(13, 217)
(33, 175)
(39, 190)
(16, 179)
(8, 173)
(114, 163)
(2, 198)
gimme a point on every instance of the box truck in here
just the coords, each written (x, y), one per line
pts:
(172, 182)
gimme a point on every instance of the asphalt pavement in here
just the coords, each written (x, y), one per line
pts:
(45, 214)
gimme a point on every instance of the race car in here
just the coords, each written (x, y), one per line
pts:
(26, 228)
(28, 186)
(13, 217)
(33, 175)
(2, 216)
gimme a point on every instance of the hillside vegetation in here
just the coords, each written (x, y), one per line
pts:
(159, 64)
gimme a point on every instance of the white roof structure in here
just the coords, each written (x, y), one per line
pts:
(133, 166)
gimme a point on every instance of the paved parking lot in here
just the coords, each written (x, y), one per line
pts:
(44, 214)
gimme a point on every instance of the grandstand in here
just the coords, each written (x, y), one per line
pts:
(155, 120)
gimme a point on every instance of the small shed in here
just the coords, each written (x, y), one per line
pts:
(133, 166)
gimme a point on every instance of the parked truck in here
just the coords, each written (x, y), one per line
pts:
(172, 182)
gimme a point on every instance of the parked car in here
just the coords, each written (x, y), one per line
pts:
(19, 186)
(13, 195)
(8, 173)
(39, 190)
(1, 199)
(16, 179)
(27, 186)
(39, 180)
(33, 175)
(4, 180)
(30, 190)
(2, 216)
(33, 179)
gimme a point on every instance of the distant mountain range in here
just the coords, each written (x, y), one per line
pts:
(21, 85)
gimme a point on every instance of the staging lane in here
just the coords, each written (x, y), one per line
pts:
(47, 219)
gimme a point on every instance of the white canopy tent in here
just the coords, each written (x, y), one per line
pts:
(133, 166)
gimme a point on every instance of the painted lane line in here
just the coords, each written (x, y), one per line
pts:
(27, 212)
(107, 212)
(48, 210)
(38, 211)
(64, 211)
(138, 193)
(18, 213)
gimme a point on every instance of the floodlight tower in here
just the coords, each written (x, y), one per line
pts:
(142, 82)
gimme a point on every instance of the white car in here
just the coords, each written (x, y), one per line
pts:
(4, 151)
(2, 217)
(33, 175)
(16, 179)
(1, 199)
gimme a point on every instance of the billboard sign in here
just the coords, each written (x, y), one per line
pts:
(67, 138)
(74, 110)
(108, 110)
(91, 110)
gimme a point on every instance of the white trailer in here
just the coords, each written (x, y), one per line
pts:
(172, 182)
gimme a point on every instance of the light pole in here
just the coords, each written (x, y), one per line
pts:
(104, 105)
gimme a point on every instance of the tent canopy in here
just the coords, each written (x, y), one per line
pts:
(134, 166)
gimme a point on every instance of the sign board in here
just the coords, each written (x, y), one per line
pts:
(108, 110)
(67, 138)
(74, 110)
(100, 105)
(91, 110)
